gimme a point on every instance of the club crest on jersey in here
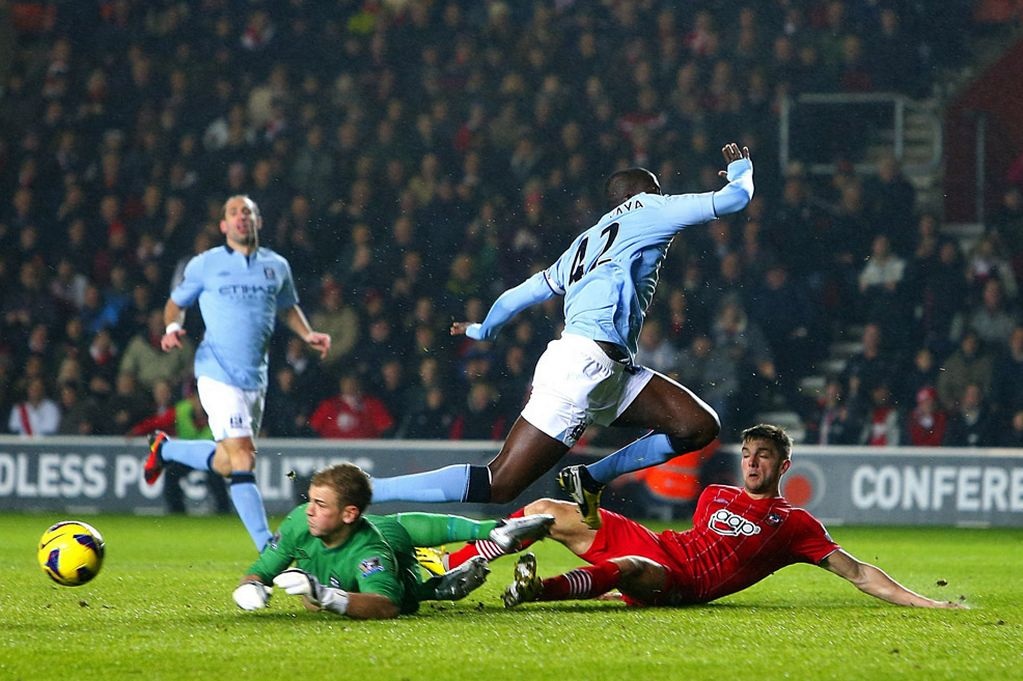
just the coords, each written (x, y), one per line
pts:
(370, 566)
(269, 273)
(773, 519)
(729, 524)
(576, 432)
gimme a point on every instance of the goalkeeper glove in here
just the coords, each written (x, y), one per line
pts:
(252, 596)
(300, 583)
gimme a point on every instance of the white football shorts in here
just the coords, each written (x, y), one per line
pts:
(576, 384)
(233, 412)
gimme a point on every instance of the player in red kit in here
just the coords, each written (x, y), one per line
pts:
(739, 536)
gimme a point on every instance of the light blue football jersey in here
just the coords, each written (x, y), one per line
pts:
(239, 298)
(609, 273)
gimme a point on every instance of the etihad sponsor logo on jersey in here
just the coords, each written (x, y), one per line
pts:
(370, 566)
(729, 524)
(247, 290)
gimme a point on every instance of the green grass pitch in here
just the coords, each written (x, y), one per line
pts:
(162, 609)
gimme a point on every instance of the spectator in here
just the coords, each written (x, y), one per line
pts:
(80, 414)
(713, 373)
(37, 414)
(744, 344)
(922, 374)
(1007, 375)
(429, 420)
(339, 321)
(891, 198)
(287, 411)
(868, 367)
(161, 415)
(479, 418)
(144, 358)
(939, 294)
(101, 363)
(988, 261)
(28, 303)
(972, 423)
(351, 414)
(927, 422)
(838, 422)
(785, 315)
(128, 405)
(882, 423)
(992, 321)
(1013, 435)
(390, 387)
(969, 364)
(309, 380)
(514, 382)
(880, 284)
(1007, 219)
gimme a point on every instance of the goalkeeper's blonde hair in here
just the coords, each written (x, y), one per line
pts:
(349, 481)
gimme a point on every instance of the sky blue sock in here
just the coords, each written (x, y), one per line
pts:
(248, 502)
(650, 450)
(444, 484)
(192, 453)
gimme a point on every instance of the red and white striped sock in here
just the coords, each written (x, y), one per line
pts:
(585, 582)
(481, 547)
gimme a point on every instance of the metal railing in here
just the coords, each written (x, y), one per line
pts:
(855, 125)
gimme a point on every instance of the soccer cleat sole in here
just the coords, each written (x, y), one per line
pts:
(526, 586)
(463, 580)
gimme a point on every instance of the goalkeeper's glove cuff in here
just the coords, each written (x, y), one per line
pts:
(334, 600)
(252, 596)
(300, 583)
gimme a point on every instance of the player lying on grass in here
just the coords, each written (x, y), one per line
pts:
(364, 566)
(739, 536)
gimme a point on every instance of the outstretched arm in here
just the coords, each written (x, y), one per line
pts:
(876, 582)
(734, 196)
(530, 292)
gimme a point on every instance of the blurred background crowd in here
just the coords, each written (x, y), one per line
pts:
(414, 159)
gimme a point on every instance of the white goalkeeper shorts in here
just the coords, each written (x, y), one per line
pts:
(232, 412)
(576, 384)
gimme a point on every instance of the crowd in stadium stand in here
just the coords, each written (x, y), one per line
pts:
(414, 159)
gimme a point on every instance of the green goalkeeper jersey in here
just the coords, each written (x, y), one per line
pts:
(377, 558)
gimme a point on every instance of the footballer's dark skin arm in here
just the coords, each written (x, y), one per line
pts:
(874, 581)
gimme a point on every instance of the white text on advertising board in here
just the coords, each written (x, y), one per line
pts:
(933, 488)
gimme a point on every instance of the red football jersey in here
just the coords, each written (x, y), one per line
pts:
(736, 541)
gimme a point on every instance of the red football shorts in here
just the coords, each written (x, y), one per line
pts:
(617, 537)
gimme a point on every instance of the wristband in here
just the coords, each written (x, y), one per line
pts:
(173, 327)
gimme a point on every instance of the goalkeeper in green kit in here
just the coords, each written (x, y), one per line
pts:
(364, 566)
